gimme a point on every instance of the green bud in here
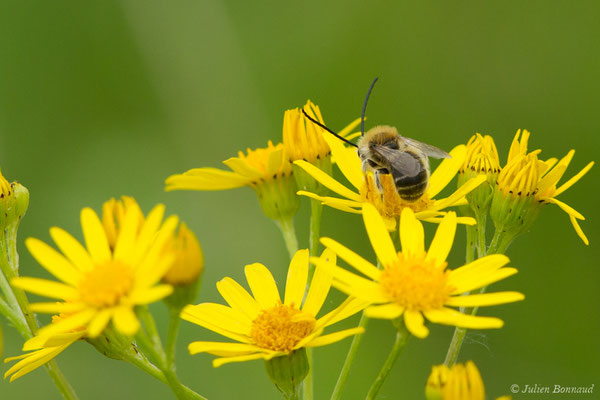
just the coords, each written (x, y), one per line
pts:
(306, 182)
(287, 372)
(278, 197)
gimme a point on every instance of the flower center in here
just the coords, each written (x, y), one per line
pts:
(281, 327)
(106, 284)
(388, 202)
(416, 284)
(520, 177)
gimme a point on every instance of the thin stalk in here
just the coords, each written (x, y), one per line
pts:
(173, 330)
(150, 325)
(402, 336)
(289, 234)
(354, 346)
(481, 242)
(316, 213)
(15, 319)
(63, 385)
(471, 243)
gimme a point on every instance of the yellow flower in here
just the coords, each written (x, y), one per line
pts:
(531, 182)
(268, 171)
(264, 326)
(100, 284)
(189, 259)
(415, 283)
(389, 203)
(459, 382)
(42, 349)
(303, 140)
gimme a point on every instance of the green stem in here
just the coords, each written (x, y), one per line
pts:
(14, 319)
(24, 320)
(174, 324)
(316, 213)
(354, 346)
(471, 246)
(402, 336)
(289, 234)
(150, 326)
(481, 242)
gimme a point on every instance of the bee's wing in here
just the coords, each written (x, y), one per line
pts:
(428, 149)
(400, 162)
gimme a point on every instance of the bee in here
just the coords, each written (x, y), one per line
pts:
(383, 151)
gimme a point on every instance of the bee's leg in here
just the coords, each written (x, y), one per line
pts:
(378, 181)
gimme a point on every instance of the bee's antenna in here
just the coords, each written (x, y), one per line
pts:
(362, 118)
(327, 129)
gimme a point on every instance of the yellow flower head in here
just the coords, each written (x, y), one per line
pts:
(264, 326)
(387, 201)
(42, 349)
(268, 171)
(460, 382)
(302, 139)
(481, 156)
(189, 259)
(527, 180)
(415, 283)
(113, 215)
(100, 283)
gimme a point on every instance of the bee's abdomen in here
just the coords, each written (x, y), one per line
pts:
(411, 188)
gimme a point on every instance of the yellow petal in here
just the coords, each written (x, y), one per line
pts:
(38, 342)
(579, 230)
(319, 287)
(45, 288)
(99, 322)
(415, 324)
(209, 315)
(485, 299)
(346, 159)
(263, 285)
(238, 298)
(334, 337)
(446, 171)
(442, 241)
(565, 207)
(126, 321)
(296, 279)
(362, 265)
(384, 311)
(56, 307)
(217, 362)
(481, 265)
(33, 361)
(205, 179)
(327, 180)
(482, 280)
(574, 179)
(150, 295)
(412, 236)
(456, 197)
(148, 232)
(53, 261)
(447, 316)
(242, 168)
(95, 237)
(348, 308)
(69, 323)
(72, 249)
(378, 235)
(124, 248)
(222, 349)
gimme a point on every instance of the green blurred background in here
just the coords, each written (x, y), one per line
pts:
(105, 98)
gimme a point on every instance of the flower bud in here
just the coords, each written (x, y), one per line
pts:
(287, 372)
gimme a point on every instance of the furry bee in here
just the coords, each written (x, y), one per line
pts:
(383, 150)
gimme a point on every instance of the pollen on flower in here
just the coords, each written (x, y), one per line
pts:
(415, 283)
(281, 327)
(106, 284)
(387, 201)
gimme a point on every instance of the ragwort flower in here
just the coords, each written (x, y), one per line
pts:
(415, 283)
(526, 183)
(387, 201)
(100, 283)
(264, 326)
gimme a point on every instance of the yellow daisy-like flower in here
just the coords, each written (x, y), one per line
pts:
(42, 349)
(100, 284)
(268, 171)
(459, 382)
(416, 283)
(481, 156)
(526, 178)
(264, 326)
(388, 202)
